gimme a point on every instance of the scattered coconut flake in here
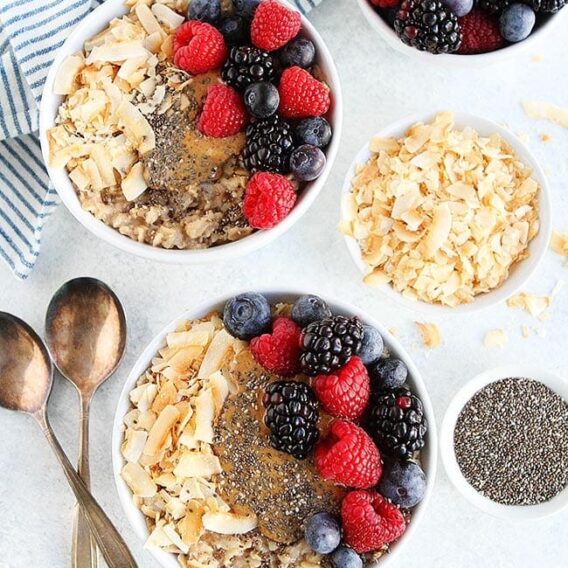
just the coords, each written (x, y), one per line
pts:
(431, 336)
(540, 110)
(559, 243)
(495, 338)
(533, 304)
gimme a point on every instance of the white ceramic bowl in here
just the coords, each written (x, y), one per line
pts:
(95, 22)
(548, 24)
(522, 271)
(509, 512)
(429, 454)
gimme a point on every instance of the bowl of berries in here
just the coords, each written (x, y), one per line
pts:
(279, 427)
(486, 31)
(191, 132)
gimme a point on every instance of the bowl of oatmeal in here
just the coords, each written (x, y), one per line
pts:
(229, 450)
(446, 213)
(180, 140)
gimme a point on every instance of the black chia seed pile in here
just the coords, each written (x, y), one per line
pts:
(511, 442)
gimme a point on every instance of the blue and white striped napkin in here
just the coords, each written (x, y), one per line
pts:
(31, 31)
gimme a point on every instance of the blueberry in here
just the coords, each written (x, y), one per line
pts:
(345, 557)
(322, 533)
(204, 10)
(308, 309)
(315, 131)
(404, 483)
(389, 374)
(299, 52)
(246, 8)
(372, 346)
(517, 22)
(307, 162)
(235, 30)
(460, 8)
(247, 315)
(262, 99)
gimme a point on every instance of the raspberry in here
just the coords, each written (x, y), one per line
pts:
(278, 352)
(301, 95)
(385, 3)
(370, 521)
(268, 199)
(199, 47)
(274, 25)
(223, 113)
(481, 33)
(348, 456)
(344, 393)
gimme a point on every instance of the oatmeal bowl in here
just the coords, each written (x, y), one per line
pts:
(274, 429)
(446, 213)
(190, 132)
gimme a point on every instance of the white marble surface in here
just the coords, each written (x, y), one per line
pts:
(379, 86)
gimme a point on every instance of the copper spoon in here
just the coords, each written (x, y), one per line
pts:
(86, 334)
(26, 378)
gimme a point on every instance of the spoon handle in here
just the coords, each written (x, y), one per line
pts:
(111, 544)
(84, 548)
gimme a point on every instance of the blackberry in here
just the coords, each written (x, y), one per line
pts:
(268, 146)
(428, 25)
(397, 423)
(292, 415)
(546, 6)
(494, 6)
(328, 344)
(247, 65)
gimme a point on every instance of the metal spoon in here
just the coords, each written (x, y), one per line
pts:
(86, 335)
(26, 378)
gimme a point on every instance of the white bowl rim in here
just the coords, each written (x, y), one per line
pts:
(460, 399)
(430, 453)
(537, 248)
(452, 59)
(59, 178)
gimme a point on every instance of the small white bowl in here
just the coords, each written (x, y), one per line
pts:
(94, 23)
(428, 457)
(509, 512)
(522, 271)
(548, 24)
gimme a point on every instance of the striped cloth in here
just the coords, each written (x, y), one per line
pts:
(31, 31)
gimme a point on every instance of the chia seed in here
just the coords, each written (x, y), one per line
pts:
(511, 442)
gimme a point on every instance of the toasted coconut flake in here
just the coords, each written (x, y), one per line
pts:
(134, 184)
(167, 16)
(66, 76)
(229, 523)
(139, 481)
(540, 110)
(196, 464)
(431, 336)
(559, 243)
(496, 338)
(159, 433)
(136, 127)
(531, 303)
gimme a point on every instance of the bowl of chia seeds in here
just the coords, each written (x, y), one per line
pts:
(504, 442)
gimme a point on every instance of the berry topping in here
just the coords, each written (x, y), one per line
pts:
(278, 352)
(299, 52)
(348, 456)
(247, 316)
(268, 146)
(517, 22)
(315, 131)
(385, 3)
(397, 423)
(274, 25)
(235, 30)
(328, 344)
(345, 557)
(261, 99)
(204, 10)
(291, 416)
(370, 521)
(493, 6)
(546, 6)
(459, 7)
(388, 374)
(223, 113)
(247, 65)
(246, 8)
(428, 25)
(199, 47)
(301, 95)
(403, 483)
(307, 162)
(309, 308)
(372, 345)
(268, 199)
(346, 392)
(322, 533)
(480, 33)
